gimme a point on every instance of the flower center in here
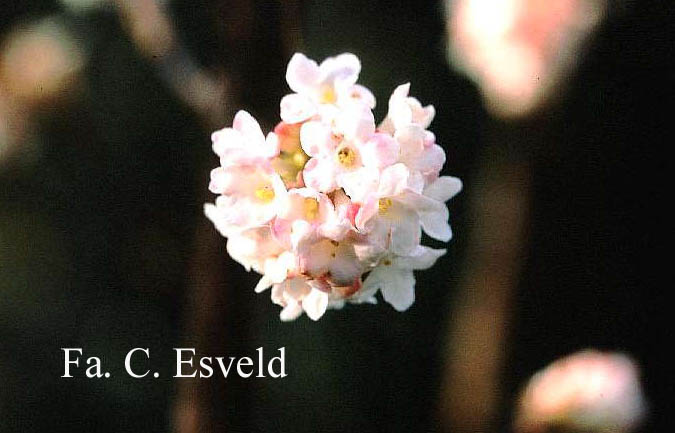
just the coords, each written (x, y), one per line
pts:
(289, 164)
(311, 209)
(346, 156)
(264, 194)
(327, 95)
(384, 204)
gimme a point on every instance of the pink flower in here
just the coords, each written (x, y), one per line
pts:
(250, 196)
(405, 110)
(331, 83)
(394, 276)
(519, 51)
(340, 148)
(244, 143)
(395, 210)
(587, 391)
(326, 198)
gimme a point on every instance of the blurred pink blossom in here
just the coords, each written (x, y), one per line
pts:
(519, 51)
(587, 391)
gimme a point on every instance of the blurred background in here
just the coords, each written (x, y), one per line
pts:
(554, 113)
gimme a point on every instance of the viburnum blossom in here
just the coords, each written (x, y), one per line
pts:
(588, 391)
(330, 207)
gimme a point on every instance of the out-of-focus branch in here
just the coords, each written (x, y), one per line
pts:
(254, 40)
(151, 29)
(207, 291)
(478, 329)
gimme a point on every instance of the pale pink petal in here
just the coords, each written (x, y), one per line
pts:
(302, 74)
(380, 151)
(316, 138)
(443, 188)
(357, 93)
(271, 147)
(360, 184)
(296, 108)
(343, 70)
(345, 267)
(393, 180)
(433, 215)
(263, 284)
(356, 122)
(399, 112)
(315, 304)
(429, 162)
(420, 258)
(290, 312)
(225, 139)
(397, 286)
(399, 290)
(319, 173)
(411, 138)
(315, 258)
(248, 126)
(405, 230)
(367, 211)
(219, 180)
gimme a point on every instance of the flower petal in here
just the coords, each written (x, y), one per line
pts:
(360, 184)
(397, 286)
(341, 71)
(421, 258)
(443, 188)
(290, 312)
(406, 232)
(315, 304)
(380, 151)
(356, 122)
(319, 174)
(316, 138)
(433, 215)
(302, 74)
(296, 108)
(399, 290)
(393, 180)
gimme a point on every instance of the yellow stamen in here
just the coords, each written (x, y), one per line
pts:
(311, 209)
(328, 95)
(265, 194)
(346, 156)
(289, 164)
(299, 159)
(384, 204)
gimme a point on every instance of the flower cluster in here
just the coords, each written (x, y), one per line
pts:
(589, 391)
(328, 197)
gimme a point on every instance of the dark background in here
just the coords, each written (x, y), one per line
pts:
(102, 234)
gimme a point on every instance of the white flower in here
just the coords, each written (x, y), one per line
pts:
(519, 51)
(405, 110)
(254, 248)
(336, 149)
(244, 143)
(326, 199)
(394, 276)
(250, 196)
(395, 209)
(298, 294)
(331, 83)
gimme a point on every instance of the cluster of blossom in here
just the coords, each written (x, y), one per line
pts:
(328, 197)
(588, 391)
